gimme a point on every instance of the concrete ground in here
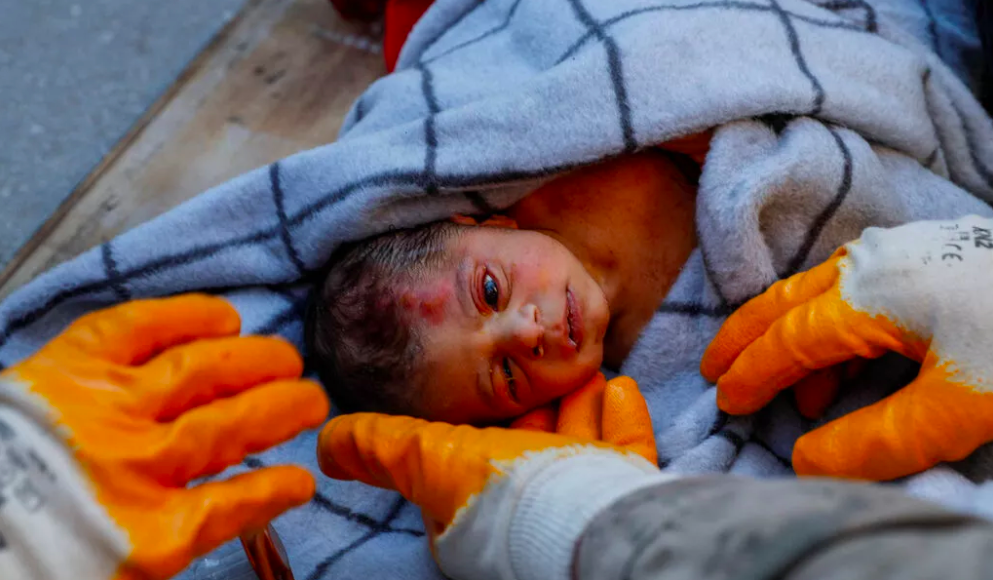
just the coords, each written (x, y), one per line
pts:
(74, 76)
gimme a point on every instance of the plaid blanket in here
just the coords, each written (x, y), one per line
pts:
(829, 117)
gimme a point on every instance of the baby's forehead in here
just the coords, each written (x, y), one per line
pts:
(431, 298)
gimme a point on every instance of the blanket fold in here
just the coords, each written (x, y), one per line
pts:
(828, 118)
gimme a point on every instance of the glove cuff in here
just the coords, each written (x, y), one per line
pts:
(51, 525)
(557, 504)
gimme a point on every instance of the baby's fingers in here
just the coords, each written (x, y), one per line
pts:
(753, 319)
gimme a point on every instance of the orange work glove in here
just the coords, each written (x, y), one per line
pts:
(114, 418)
(504, 503)
(924, 290)
(612, 411)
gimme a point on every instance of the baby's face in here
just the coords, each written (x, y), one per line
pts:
(515, 323)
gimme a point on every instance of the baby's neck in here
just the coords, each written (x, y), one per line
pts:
(630, 222)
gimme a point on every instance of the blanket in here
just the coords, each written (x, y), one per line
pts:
(828, 118)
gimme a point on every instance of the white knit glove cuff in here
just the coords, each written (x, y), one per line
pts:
(50, 526)
(557, 504)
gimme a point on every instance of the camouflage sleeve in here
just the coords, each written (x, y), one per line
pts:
(727, 527)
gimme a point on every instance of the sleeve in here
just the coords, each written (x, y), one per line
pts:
(728, 527)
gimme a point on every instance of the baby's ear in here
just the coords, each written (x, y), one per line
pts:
(494, 221)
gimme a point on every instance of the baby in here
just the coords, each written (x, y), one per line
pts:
(470, 322)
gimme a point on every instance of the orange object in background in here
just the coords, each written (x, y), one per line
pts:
(399, 18)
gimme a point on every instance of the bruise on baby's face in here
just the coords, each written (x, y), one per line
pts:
(428, 302)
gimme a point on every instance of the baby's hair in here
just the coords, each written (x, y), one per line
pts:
(365, 351)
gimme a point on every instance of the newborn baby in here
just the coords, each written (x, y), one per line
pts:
(470, 322)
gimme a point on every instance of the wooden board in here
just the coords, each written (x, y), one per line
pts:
(278, 79)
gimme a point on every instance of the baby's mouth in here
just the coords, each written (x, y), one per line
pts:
(574, 320)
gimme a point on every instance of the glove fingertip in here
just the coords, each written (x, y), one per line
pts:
(804, 462)
(282, 356)
(224, 317)
(733, 404)
(292, 485)
(317, 405)
(332, 443)
(714, 364)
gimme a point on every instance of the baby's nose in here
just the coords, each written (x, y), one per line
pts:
(528, 331)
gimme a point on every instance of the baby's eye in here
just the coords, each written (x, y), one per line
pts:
(508, 372)
(491, 292)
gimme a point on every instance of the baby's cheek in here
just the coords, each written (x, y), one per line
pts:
(534, 274)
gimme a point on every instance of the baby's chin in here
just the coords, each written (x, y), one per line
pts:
(590, 371)
(595, 359)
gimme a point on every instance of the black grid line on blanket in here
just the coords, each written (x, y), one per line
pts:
(284, 228)
(112, 273)
(615, 68)
(296, 310)
(324, 503)
(447, 29)
(375, 527)
(481, 37)
(382, 527)
(869, 13)
(692, 309)
(798, 56)
(796, 263)
(430, 138)
(724, 5)
(939, 136)
(814, 231)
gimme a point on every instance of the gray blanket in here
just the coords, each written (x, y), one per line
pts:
(829, 118)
